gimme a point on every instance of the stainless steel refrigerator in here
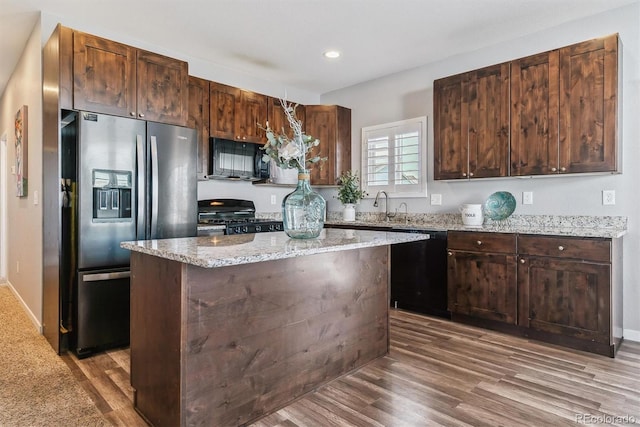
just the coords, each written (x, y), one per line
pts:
(133, 180)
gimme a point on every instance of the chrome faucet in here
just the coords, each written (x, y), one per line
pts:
(387, 215)
(406, 211)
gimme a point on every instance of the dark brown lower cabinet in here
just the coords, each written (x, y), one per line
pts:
(482, 275)
(567, 287)
(563, 290)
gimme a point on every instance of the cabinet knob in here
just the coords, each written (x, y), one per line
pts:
(553, 169)
(561, 248)
(464, 174)
(563, 169)
(470, 173)
(141, 114)
(132, 114)
(522, 261)
(479, 242)
(450, 253)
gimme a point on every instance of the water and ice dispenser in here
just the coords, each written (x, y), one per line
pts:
(111, 195)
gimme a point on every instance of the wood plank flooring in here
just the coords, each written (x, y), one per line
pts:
(437, 373)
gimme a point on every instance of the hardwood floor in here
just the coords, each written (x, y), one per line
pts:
(437, 373)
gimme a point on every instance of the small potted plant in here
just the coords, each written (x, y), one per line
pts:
(350, 193)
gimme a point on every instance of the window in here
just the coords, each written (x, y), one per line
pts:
(394, 158)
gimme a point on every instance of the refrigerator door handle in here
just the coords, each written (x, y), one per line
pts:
(141, 211)
(98, 277)
(154, 188)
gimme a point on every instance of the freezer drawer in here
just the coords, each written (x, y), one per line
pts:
(102, 311)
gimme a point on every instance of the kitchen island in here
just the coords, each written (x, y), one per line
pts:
(226, 329)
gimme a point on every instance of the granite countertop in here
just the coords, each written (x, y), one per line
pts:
(221, 251)
(577, 226)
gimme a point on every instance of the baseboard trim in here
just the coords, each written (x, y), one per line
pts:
(631, 335)
(27, 310)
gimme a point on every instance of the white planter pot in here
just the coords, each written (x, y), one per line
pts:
(282, 176)
(349, 212)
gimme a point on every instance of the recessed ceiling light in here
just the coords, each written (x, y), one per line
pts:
(332, 54)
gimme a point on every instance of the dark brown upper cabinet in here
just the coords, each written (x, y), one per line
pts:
(104, 75)
(534, 115)
(451, 144)
(199, 119)
(471, 124)
(278, 120)
(589, 102)
(564, 114)
(113, 78)
(331, 124)
(163, 89)
(236, 114)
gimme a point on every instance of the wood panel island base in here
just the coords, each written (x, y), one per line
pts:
(227, 329)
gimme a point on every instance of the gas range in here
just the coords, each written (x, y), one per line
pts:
(236, 216)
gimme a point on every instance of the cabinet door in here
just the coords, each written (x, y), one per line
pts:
(487, 100)
(534, 116)
(222, 112)
(450, 129)
(482, 285)
(277, 119)
(331, 124)
(588, 106)
(471, 124)
(104, 76)
(565, 296)
(251, 111)
(199, 119)
(163, 89)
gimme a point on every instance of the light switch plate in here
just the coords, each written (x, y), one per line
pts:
(436, 199)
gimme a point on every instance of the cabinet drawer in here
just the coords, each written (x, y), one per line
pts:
(481, 241)
(591, 249)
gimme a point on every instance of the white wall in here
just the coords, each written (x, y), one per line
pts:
(410, 94)
(24, 228)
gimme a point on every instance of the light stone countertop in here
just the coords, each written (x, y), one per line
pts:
(222, 250)
(554, 225)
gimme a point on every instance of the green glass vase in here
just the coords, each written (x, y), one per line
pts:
(303, 210)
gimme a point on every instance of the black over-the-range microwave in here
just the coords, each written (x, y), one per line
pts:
(236, 160)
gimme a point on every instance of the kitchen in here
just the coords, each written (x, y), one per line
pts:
(408, 95)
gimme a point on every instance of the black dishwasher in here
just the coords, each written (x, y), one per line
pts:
(419, 274)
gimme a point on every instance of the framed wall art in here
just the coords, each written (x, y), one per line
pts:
(22, 145)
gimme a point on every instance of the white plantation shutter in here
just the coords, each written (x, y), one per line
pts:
(394, 158)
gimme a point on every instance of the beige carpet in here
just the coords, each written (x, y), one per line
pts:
(36, 386)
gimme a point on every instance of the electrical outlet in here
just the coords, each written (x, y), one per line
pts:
(436, 199)
(608, 197)
(273, 199)
(527, 198)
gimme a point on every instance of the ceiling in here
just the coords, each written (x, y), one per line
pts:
(283, 40)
